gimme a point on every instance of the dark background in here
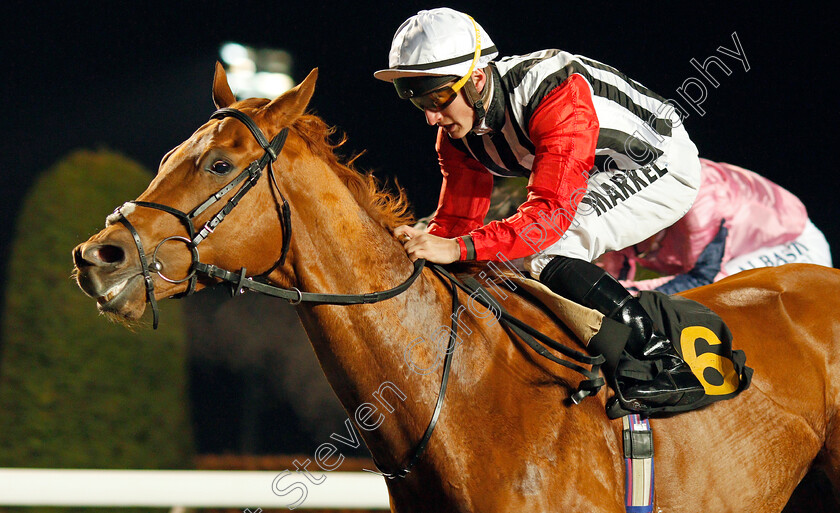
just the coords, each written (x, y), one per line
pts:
(136, 78)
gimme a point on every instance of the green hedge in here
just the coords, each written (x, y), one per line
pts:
(76, 390)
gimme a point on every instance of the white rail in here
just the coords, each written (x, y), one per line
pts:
(187, 488)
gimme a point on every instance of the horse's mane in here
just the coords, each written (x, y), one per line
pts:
(385, 207)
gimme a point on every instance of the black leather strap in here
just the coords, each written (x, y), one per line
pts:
(420, 448)
(253, 172)
(533, 337)
(147, 277)
(184, 218)
(249, 171)
(247, 121)
(589, 386)
(241, 282)
(296, 296)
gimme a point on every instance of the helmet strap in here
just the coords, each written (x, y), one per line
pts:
(475, 100)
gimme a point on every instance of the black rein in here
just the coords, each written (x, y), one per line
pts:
(241, 282)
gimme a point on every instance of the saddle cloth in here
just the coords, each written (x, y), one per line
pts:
(698, 334)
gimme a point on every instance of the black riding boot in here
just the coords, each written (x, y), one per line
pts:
(591, 286)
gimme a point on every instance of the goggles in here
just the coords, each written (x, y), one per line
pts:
(433, 96)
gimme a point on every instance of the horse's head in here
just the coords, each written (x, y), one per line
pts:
(150, 247)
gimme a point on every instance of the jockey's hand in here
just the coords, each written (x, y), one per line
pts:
(419, 244)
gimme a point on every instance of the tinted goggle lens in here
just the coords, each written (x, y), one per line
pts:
(438, 97)
(435, 100)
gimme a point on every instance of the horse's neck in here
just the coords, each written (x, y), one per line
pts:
(338, 248)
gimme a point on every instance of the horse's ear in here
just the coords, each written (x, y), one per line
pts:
(222, 95)
(291, 105)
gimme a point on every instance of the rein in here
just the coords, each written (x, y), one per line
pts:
(240, 281)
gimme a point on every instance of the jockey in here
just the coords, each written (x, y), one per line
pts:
(739, 221)
(608, 161)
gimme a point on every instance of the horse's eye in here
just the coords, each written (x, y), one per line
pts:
(220, 167)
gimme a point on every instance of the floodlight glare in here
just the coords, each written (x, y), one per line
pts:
(260, 72)
(234, 54)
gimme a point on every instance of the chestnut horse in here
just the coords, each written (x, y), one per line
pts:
(507, 438)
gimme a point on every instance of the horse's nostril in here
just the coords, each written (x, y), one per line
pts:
(110, 254)
(78, 259)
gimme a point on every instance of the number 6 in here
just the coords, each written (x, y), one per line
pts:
(699, 364)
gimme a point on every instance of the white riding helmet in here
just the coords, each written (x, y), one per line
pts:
(437, 42)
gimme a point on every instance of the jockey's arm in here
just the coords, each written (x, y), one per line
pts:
(464, 193)
(564, 130)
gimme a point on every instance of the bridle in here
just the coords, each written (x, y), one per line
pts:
(250, 175)
(240, 282)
